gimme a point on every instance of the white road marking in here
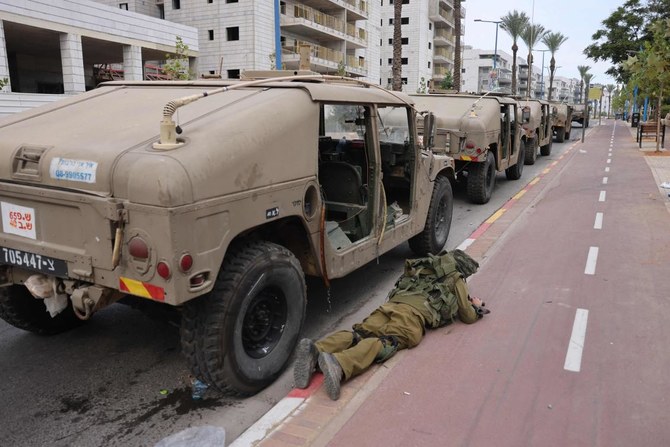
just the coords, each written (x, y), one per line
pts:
(602, 196)
(573, 358)
(465, 244)
(604, 180)
(607, 169)
(267, 423)
(591, 261)
(598, 225)
(609, 160)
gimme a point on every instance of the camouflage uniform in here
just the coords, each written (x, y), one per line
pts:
(401, 322)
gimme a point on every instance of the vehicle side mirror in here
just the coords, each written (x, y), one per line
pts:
(428, 130)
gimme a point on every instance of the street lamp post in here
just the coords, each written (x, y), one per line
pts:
(541, 77)
(495, 50)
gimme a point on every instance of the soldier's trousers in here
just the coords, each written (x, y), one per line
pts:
(400, 320)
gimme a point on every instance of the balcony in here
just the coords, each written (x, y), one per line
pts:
(439, 15)
(443, 55)
(439, 71)
(358, 9)
(322, 59)
(443, 37)
(317, 25)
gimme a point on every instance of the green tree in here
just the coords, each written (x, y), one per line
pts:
(650, 67)
(176, 64)
(457, 49)
(583, 71)
(531, 35)
(514, 23)
(553, 41)
(624, 32)
(396, 64)
(447, 82)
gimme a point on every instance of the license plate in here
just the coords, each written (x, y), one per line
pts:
(32, 261)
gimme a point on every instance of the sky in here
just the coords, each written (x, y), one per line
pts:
(576, 19)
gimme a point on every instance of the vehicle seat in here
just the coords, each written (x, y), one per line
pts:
(341, 182)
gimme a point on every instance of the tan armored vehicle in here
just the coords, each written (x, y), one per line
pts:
(536, 130)
(562, 120)
(579, 115)
(481, 133)
(221, 208)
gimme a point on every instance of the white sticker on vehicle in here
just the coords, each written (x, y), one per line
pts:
(73, 170)
(18, 220)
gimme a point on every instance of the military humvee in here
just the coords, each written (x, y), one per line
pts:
(537, 130)
(220, 213)
(562, 121)
(481, 133)
(579, 115)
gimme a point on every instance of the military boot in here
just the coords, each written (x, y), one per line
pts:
(305, 362)
(332, 373)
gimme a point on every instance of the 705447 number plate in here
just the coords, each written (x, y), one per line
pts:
(32, 261)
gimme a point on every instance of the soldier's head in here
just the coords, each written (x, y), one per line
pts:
(464, 263)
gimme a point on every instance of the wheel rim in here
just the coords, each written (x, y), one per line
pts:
(442, 223)
(264, 323)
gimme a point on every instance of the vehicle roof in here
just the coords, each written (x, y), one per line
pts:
(467, 96)
(343, 90)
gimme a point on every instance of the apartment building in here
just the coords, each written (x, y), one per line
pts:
(51, 48)
(563, 89)
(428, 41)
(479, 75)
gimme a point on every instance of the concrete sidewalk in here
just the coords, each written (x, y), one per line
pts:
(310, 418)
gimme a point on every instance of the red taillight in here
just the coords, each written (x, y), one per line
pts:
(185, 263)
(138, 248)
(163, 270)
(479, 150)
(469, 145)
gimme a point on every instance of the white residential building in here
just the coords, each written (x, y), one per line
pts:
(478, 73)
(51, 48)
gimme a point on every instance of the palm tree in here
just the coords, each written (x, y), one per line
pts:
(514, 23)
(457, 50)
(610, 88)
(583, 71)
(396, 65)
(587, 83)
(531, 35)
(553, 41)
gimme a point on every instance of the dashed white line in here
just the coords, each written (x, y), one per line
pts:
(598, 225)
(607, 169)
(591, 261)
(604, 180)
(573, 358)
(609, 160)
(602, 196)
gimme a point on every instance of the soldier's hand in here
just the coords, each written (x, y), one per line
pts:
(476, 301)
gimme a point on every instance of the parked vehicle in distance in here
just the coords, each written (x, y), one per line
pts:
(562, 120)
(220, 214)
(579, 115)
(537, 131)
(481, 133)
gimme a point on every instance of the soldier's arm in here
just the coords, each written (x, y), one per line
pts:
(466, 313)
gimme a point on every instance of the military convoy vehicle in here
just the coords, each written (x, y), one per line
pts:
(536, 130)
(481, 133)
(219, 208)
(579, 115)
(562, 121)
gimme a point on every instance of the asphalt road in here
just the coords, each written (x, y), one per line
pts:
(120, 379)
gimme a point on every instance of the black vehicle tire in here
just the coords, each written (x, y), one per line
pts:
(567, 135)
(546, 149)
(514, 172)
(438, 221)
(238, 338)
(20, 309)
(481, 180)
(560, 135)
(530, 149)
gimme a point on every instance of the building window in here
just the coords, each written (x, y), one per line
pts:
(404, 41)
(428, 64)
(211, 72)
(390, 21)
(123, 6)
(390, 41)
(390, 61)
(404, 21)
(380, 42)
(403, 80)
(161, 11)
(176, 4)
(380, 61)
(211, 34)
(381, 22)
(430, 26)
(403, 60)
(430, 45)
(233, 33)
(231, 1)
(210, 1)
(233, 74)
